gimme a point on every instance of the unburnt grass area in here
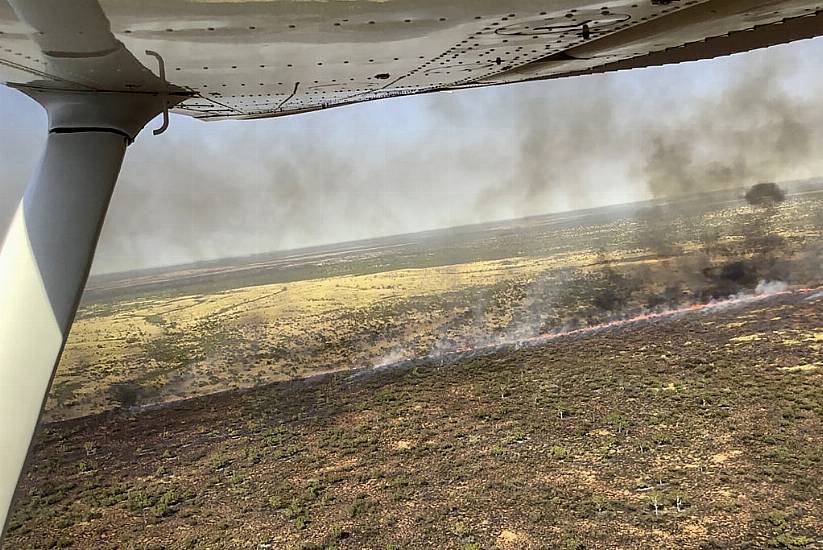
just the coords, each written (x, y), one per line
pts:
(246, 322)
(698, 432)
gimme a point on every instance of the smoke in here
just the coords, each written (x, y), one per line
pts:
(754, 129)
(770, 287)
(562, 139)
(508, 342)
(754, 124)
(205, 191)
(745, 253)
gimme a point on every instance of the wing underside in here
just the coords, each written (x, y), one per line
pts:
(253, 59)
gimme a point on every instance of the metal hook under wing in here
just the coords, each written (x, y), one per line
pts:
(162, 70)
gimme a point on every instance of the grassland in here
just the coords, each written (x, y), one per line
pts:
(235, 404)
(701, 431)
(161, 337)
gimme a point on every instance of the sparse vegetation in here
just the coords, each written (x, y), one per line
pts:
(248, 327)
(641, 462)
(696, 430)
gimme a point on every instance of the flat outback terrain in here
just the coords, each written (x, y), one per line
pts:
(637, 376)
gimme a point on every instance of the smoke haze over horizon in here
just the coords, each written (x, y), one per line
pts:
(205, 191)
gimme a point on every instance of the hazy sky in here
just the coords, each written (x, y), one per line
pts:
(207, 190)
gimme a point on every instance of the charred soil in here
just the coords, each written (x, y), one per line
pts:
(695, 431)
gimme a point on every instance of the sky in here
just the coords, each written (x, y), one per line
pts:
(232, 188)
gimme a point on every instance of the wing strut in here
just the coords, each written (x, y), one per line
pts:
(47, 253)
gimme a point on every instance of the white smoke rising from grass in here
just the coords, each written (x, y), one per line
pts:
(770, 287)
(816, 296)
(485, 346)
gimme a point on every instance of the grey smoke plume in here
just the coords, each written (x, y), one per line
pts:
(754, 130)
(228, 189)
(754, 125)
(562, 140)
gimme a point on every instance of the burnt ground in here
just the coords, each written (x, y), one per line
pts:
(703, 431)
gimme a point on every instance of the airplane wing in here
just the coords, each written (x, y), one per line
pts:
(103, 68)
(255, 59)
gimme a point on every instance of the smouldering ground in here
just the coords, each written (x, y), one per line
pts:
(452, 291)
(704, 431)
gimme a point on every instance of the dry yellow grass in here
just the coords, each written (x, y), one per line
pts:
(168, 348)
(109, 347)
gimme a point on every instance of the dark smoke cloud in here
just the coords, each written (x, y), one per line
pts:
(226, 189)
(244, 190)
(561, 139)
(697, 127)
(756, 128)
